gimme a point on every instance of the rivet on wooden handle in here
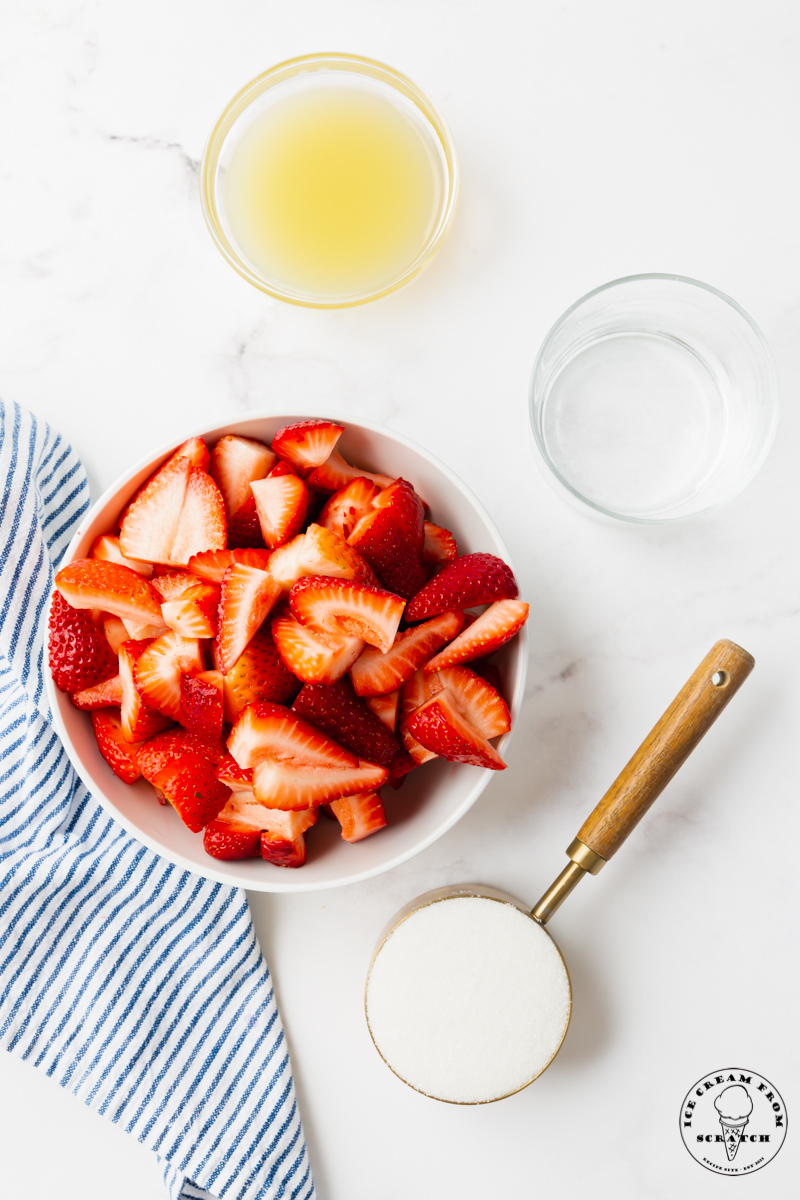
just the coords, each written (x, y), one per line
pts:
(691, 714)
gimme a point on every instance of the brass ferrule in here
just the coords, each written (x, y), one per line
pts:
(580, 853)
(584, 862)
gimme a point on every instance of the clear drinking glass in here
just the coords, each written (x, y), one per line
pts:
(653, 399)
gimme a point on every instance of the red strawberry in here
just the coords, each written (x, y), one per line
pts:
(491, 630)
(467, 581)
(271, 731)
(337, 606)
(281, 851)
(229, 843)
(202, 523)
(337, 711)
(115, 633)
(282, 468)
(488, 671)
(157, 672)
(246, 598)
(239, 826)
(244, 528)
(137, 720)
(102, 695)
(190, 784)
(291, 785)
(360, 815)
(335, 474)
(150, 521)
(439, 726)
(385, 708)
(439, 546)
(212, 565)
(413, 693)
(195, 450)
(390, 538)
(201, 704)
(79, 654)
(95, 583)
(235, 463)
(173, 584)
(259, 673)
(107, 547)
(142, 632)
(121, 755)
(345, 508)
(282, 504)
(166, 747)
(193, 614)
(307, 444)
(374, 673)
(476, 700)
(238, 779)
(309, 658)
(318, 551)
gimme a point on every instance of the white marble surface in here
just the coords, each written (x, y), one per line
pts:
(597, 138)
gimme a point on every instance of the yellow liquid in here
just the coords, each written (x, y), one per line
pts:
(333, 192)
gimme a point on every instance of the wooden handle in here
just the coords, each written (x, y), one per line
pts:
(691, 714)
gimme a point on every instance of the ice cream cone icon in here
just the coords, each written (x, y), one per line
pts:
(734, 1107)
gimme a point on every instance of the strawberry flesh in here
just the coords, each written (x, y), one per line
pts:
(150, 521)
(344, 509)
(307, 657)
(337, 607)
(374, 673)
(246, 598)
(296, 786)
(157, 672)
(307, 444)
(359, 815)
(492, 629)
(270, 731)
(121, 755)
(259, 673)
(281, 503)
(102, 695)
(98, 583)
(202, 526)
(439, 726)
(235, 463)
(212, 565)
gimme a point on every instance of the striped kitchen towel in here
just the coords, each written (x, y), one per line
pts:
(136, 985)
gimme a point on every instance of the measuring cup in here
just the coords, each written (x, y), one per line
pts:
(468, 997)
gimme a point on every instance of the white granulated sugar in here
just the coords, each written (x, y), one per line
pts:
(468, 999)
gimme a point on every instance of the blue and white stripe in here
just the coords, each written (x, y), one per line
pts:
(138, 986)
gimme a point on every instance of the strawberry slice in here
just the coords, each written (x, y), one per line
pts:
(491, 630)
(295, 786)
(236, 832)
(78, 652)
(282, 504)
(478, 702)
(307, 657)
(238, 779)
(374, 673)
(150, 521)
(413, 693)
(235, 463)
(157, 672)
(140, 632)
(246, 598)
(195, 450)
(270, 731)
(190, 784)
(102, 695)
(115, 633)
(230, 844)
(137, 720)
(344, 509)
(201, 704)
(336, 606)
(307, 444)
(166, 747)
(335, 474)
(467, 581)
(212, 565)
(194, 613)
(439, 726)
(107, 547)
(391, 537)
(337, 711)
(318, 551)
(244, 527)
(283, 468)
(385, 708)
(121, 755)
(281, 851)
(173, 584)
(243, 811)
(259, 673)
(95, 583)
(202, 523)
(359, 815)
(439, 546)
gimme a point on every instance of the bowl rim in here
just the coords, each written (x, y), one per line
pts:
(288, 69)
(216, 869)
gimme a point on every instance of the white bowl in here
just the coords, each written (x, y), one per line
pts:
(433, 797)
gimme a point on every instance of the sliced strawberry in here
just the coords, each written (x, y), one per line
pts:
(115, 633)
(390, 538)
(235, 463)
(95, 583)
(283, 468)
(282, 504)
(138, 632)
(166, 747)
(337, 606)
(245, 829)
(121, 755)
(307, 657)
(150, 521)
(194, 614)
(173, 584)
(307, 444)
(243, 811)
(246, 598)
(413, 693)
(467, 581)
(195, 450)
(439, 546)
(359, 815)
(335, 474)
(337, 711)
(385, 708)
(202, 524)
(375, 674)
(281, 851)
(79, 654)
(201, 704)
(238, 779)
(107, 547)
(213, 565)
(493, 628)
(190, 784)
(271, 731)
(102, 695)
(259, 673)
(344, 509)
(488, 671)
(439, 726)
(138, 721)
(229, 843)
(318, 551)
(476, 700)
(244, 527)
(291, 785)
(157, 672)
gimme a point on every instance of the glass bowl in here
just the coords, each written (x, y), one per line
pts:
(297, 78)
(653, 399)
